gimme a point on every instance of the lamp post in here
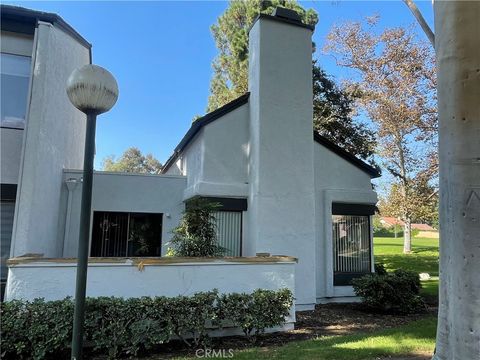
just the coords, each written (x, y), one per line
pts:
(92, 90)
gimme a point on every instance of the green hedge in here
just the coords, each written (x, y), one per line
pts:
(396, 292)
(117, 327)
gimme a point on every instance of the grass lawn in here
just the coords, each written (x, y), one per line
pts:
(424, 258)
(415, 338)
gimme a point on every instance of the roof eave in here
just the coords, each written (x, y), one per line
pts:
(200, 123)
(17, 13)
(370, 170)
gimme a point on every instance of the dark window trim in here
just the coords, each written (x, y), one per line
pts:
(11, 128)
(345, 278)
(226, 204)
(353, 209)
(129, 213)
(8, 192)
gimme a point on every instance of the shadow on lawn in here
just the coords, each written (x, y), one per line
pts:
(414, 262)
(415, 339)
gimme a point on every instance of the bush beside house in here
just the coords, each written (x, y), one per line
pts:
(397, 292)
(117, 326)
(195, 236)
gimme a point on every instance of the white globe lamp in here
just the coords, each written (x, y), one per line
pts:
(92, 90)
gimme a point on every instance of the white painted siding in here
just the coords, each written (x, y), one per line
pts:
(336, 180)
(216, 159)
(54, 139)
(121, 192)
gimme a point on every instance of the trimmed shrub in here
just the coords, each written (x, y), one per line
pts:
(396, 292)
(254, 313)
(117, 327)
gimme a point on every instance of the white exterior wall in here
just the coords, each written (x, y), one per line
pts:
(216, 160)
(11, 140)
(56, 280)
(54, 139)
(281, 210)
(120, 192)
(336, 180)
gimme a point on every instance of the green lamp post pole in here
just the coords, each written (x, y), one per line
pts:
(92, 90)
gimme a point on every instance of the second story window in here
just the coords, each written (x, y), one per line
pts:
(15, 78)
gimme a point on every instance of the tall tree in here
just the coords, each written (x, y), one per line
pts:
(458, 64)
(230, 79)
(333, 117)
(396, 86)
(332, 106)
(133, 161)
(423, 204)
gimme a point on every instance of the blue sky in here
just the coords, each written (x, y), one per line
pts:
(161, 54)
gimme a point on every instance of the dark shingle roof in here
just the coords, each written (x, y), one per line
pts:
(214, 115)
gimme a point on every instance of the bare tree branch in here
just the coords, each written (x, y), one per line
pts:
(421, 21)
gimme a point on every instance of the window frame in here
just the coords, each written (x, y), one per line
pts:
(129, 215)
(28, 91)
(241, 228)
(228, 204)
(350, 209)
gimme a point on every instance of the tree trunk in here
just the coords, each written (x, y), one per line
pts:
(407, 236)
(457, 46)
(421, 21)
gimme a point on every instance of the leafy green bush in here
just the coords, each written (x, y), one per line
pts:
(196, 235)
(115, 326)
(254, 313)
(380, 269)
(396, 292)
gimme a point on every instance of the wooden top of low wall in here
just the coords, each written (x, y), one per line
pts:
(156, 261)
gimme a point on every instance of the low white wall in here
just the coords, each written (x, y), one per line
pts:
(54, 279)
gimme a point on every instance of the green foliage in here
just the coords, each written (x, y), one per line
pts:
(380, 269)
(35, 330)
(230, 79)
(118, 327)
(256, 312)
(196, 235)
(396, 292)
(133, 161)
(191, 316)
(333, 118)
(332, 106)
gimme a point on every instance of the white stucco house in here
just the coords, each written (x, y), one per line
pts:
(296, 208)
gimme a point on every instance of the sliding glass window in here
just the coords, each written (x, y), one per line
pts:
(351, 238)
(119, 234)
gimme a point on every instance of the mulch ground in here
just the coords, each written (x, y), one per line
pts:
(327, 319)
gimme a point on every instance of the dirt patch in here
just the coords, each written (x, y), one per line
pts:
(328, 319)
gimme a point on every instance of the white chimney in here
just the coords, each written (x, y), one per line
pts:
(281, 204)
